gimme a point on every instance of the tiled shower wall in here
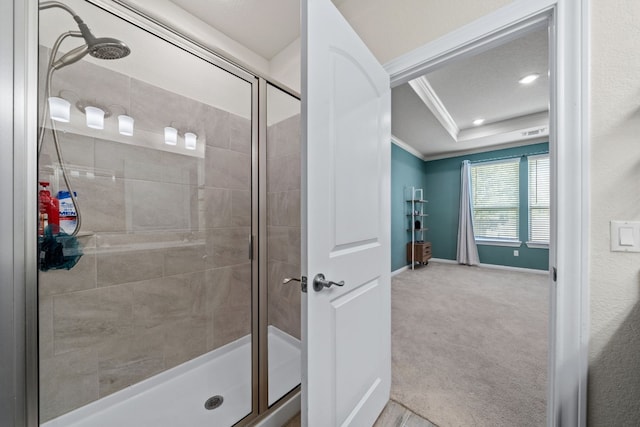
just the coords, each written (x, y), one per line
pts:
(165, 275)
(283, 219)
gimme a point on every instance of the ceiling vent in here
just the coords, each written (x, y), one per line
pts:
(533, 132)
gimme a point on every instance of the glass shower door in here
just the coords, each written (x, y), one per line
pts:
(283, 236)
(145, 283)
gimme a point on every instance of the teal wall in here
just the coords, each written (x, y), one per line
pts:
(442, 190)
(406, 170)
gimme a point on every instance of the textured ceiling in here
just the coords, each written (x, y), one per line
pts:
(486, 85)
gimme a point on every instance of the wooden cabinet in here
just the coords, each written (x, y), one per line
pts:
(421, 252)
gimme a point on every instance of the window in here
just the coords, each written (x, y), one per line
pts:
(496, 200)
(539, 199)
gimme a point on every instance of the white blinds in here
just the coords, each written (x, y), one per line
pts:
(496, 198)
(539, 199)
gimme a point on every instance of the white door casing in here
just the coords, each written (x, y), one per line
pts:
(346, 223)
(569, 148)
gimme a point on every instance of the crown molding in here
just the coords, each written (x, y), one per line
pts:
(423, 89)
(406, 147)
(518, 128)
(485, 149)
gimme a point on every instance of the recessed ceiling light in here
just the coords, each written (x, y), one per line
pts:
(529, 79)
(478, 122)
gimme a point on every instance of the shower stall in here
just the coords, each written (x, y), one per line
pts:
(168, 219)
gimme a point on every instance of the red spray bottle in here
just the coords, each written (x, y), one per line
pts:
(48, 209)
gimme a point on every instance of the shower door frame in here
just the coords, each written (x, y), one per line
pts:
(25, 120)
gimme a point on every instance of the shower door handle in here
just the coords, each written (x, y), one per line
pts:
(319, 283)
(302, 280)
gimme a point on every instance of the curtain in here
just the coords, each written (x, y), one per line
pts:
(467, 250)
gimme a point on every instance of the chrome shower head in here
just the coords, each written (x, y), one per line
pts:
(104, 47)
(108, 48)
(101, 48)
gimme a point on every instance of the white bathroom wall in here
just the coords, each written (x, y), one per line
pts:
(614, 364)
(285, 66)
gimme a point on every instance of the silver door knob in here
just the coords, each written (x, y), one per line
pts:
(319, 283)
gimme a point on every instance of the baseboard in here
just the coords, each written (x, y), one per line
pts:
(509, 268)
(400, 270)
(443, 261)
(494, 266)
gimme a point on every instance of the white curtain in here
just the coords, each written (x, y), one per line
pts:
(467, 249)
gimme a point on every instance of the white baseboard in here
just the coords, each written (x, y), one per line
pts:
(494, 266)
(400, 270)
(520, 269)
(443, 261)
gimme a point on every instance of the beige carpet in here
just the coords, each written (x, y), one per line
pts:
(469, 345)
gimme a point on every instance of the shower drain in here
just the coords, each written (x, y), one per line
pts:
(213, 402)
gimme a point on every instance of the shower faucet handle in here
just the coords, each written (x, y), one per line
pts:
(302, 280)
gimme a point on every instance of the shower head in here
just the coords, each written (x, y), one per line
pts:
(104, 47)
(108, 48)
(101, 48)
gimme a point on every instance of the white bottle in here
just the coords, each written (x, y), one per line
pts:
(68, 215)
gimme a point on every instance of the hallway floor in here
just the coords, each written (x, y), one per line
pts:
(394, 415)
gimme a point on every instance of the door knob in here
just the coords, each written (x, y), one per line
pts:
(319, 282)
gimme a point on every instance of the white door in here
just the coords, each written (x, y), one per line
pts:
(346, 223)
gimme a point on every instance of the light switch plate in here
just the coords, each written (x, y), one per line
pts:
(625, 236)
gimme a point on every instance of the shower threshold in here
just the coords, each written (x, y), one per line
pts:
(177, 396)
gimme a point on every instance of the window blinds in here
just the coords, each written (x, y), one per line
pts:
(496, 199)
(539, 219)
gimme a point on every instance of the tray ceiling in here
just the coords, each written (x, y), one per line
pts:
(485, 86)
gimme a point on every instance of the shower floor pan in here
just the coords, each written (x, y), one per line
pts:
(177, 396)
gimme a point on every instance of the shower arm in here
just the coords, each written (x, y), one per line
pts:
(86, 33)
(49, 4)
(54, 132)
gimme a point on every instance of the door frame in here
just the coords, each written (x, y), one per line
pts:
(568, 21)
